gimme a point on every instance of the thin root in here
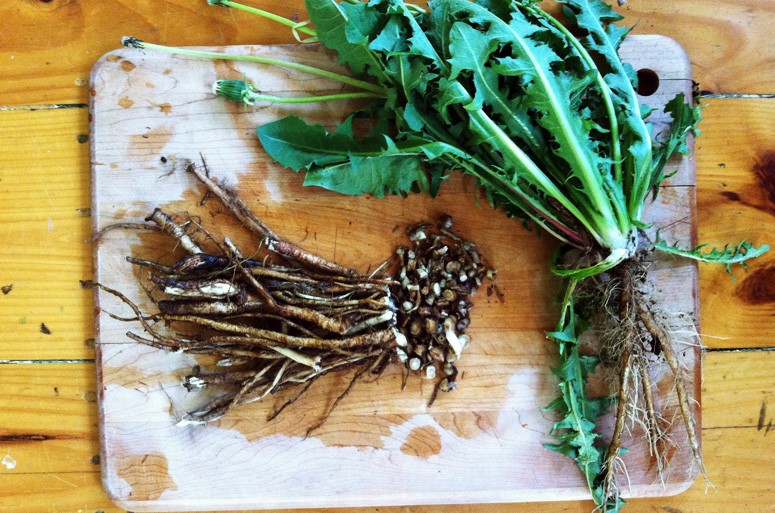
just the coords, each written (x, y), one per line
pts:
(660, 333)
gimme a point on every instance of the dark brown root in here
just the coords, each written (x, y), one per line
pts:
(152, 265)
(628, 338)
(358, 375)
(241, 211)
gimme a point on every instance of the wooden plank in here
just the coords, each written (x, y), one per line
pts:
(728, 42)
(738, 390)
(56, 492)
(49, 420)
(44, 222)
(737, 459)
(736, 200)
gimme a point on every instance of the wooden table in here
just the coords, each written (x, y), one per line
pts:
(48, 415)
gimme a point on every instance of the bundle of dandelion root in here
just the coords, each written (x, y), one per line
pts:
(284, 317)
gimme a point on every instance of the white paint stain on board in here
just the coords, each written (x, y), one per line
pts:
(9, 462)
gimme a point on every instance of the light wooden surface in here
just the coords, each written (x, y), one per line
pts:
(44, 175)
(481, 443)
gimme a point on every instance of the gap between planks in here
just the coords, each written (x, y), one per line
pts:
(47, 362)
(739, 349)
(52, 106)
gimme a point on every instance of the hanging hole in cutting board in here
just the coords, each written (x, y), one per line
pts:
(648, 82)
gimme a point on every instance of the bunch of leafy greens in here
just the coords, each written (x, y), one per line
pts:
(545, 115)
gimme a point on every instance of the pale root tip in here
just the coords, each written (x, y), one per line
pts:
(189, 422)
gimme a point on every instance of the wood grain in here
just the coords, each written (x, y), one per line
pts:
(736, 458)
(736, 200)
(55, 492)
(44, 223)
(728, 42)
(740, 486)
(738, 391)
(49, 418)
(60, 40)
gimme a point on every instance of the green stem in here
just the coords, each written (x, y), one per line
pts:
(266, 14)
(614, 258)
(314, 99)
(583, 167)
(132, 42)
(534, 211)
(728, 256)
(243, 92)
(605, 93)
(606, 234)
(567, 301)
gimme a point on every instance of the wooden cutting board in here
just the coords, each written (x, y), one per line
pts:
(481, 443)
